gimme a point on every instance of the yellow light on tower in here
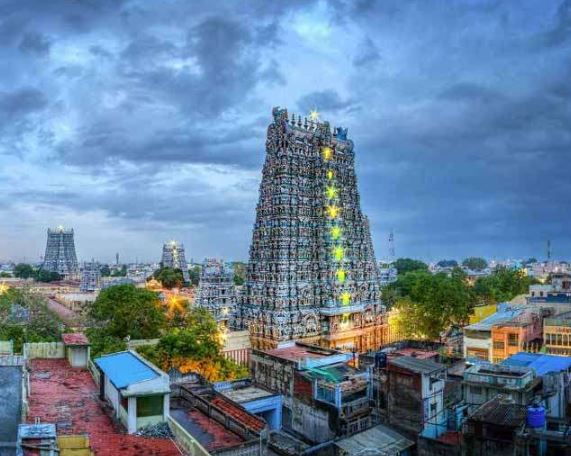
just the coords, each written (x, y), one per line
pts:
(345, 298)
(338, 253)
(314, 115)
(341, 275)
(335, 232)
(332, 211)
(331, 192)
(327, 153)
(330, 174)
(3, 288)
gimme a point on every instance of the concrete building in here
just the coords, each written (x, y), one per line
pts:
(60, 254)
(485, 381)
(256, 400)
(312, 272)
(415, 398)
(13, 392)
(555, 373)
(379, 440)
(216, 292)
(173, 257)
(323, 397)
(557, 334)
(507, 331)
(137, 390)
(76, 348)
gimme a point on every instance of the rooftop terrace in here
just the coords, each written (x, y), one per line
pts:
(69, 398)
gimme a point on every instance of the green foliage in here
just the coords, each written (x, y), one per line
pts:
(447, 263)
(120, 272)
(47, 276)
(475, 263)
(102, 343)
(239, 273)
(42, 326)
(427, 303)
(24, 271)
(404, 265)
(502, 285)
(5, 275)
(195, 347)
(125, 310)
(194, 274)
(105, 270)
(169, 278)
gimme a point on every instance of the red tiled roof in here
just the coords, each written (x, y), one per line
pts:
(69, 398)
(75, 339)
(247, 419)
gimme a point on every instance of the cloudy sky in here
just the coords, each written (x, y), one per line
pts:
(140, 121)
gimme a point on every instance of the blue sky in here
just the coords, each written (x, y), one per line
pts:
(140, 121)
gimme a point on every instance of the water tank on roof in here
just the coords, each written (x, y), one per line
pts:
(536, 416)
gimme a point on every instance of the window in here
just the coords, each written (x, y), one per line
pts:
(559, 339)
(149, 406)
(548, 339)
(476, 390)
(513, 340)
(432, 409)
(498, 345)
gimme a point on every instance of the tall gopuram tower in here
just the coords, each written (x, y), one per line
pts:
(216, 292)
(60, 253)
(312, 273)
(173, 257)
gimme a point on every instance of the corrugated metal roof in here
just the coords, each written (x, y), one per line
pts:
(380, 438)
(501, 316)
(542, 364)
(416, 364)
(124, 369)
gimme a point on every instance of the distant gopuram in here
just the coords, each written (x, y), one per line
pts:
(312, 273)
(173, 257)
(60, 253)
(216, 292)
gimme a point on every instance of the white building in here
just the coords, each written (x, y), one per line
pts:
(137, 390)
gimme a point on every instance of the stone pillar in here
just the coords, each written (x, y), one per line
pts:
(132, 415)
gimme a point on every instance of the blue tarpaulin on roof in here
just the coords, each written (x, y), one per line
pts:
(542, 364)
(124, 369)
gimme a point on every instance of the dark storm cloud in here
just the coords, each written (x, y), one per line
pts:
(327, 100)
(35, 43)
(460, 112)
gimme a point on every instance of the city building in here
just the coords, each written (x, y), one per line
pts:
(379, 440)
(60, 254)
(137, 390)
(13, 387)
(557, 293)
(555, 374)
(76, 348)
(173, 257)
(312, 272)
(387, 274)
(415, 396)
(216, 292)
(509, 330)
(90, 277)
(485, 381)
(323, 396)
(557, 334)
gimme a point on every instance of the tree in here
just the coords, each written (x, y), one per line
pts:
(475, 263)
(239, 272)
(5, 275)
(170, 278)
(404, 265)
(124, 310)
(502, 285)
(24, 271)
(447, 263)
(47, 276)
(194, 348)
(120, 272)
(194, 274)
(105, 270)
(427, 304)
